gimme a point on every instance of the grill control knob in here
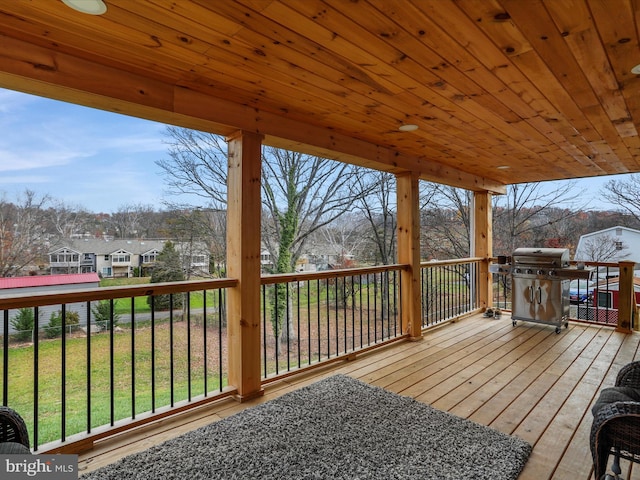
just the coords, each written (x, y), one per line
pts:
(540, 272)
(517, 270)
(529, 271)
(551, 273)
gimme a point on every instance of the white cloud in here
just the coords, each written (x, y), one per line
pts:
(23, 179)
(11, 101)
(21, 159)
(98, 160)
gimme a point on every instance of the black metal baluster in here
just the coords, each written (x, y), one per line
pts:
(133, 357)
(63, 376)
(423, 297)
(287, 312)
(336, 308)
(344, 311)
(318, 318)
(468, 282)
(112, 363)
(276, 333)
(299, 339)
(188, 300)
(353, 312)
(375, 307)
(5, 359)
(398, 303)
(221, 310)
(153, 354)
(361, 305)
(437, 271)
(395, 302)
(328, 290)
(368, 310)
(447, 293)
(204, 342)
(264, 329)
(36, 378)
(309, 320)
(171, 353)
(387, 300)
(459, 277)
(88, 366)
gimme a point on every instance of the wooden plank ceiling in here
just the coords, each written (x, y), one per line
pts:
(502, 91)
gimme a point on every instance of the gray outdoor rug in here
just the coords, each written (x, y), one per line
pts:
(337, 428)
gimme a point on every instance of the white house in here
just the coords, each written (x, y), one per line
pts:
(119, 258)
(609, 245)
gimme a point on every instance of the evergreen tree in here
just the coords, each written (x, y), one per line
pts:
(102, 314)
(54, 327)
(168, 268)
(23, 323)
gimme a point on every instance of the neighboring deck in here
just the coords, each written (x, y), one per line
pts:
(524, 380)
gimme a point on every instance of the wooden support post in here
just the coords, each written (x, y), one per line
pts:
(483, 245)
(627, 299)
(243, 262)
(409, 253)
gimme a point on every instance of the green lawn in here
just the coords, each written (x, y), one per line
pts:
(87, 387)
(141, 305)
(50, 398)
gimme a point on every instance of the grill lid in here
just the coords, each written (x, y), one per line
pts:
(553, 257)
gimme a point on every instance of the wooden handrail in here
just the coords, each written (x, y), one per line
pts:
(457, 261)
(342, 272)
(106, 293)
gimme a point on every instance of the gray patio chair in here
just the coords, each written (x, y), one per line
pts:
(14, 438)
(616, 423)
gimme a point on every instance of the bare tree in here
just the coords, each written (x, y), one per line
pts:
(132, 221)
(624, 193)
(345, 235)
(197, 165)
(23, 239)
(66, 220)
(301, 193)
(525, 214)
(446, 221)
(603, 248)
(379, 210)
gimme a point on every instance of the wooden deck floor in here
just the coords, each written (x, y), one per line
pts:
(524, 380)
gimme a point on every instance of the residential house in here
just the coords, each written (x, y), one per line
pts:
(610, 245)
(122, 258)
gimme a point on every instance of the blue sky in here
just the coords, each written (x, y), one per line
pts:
(100, 160)
(81, 156)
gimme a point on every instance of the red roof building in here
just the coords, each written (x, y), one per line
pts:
(48, 280)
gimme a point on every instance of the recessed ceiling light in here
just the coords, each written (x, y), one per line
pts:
(91, 7)
(636, 70)
(408, 127)
(503, 167)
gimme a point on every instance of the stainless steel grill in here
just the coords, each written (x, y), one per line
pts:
(540, 280)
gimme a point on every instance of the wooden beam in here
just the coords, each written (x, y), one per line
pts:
(37, 70)
(291, 134)
(409, 253)
(243, 263)
(483, 244)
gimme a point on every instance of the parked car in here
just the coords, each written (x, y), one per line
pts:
(581, 291)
